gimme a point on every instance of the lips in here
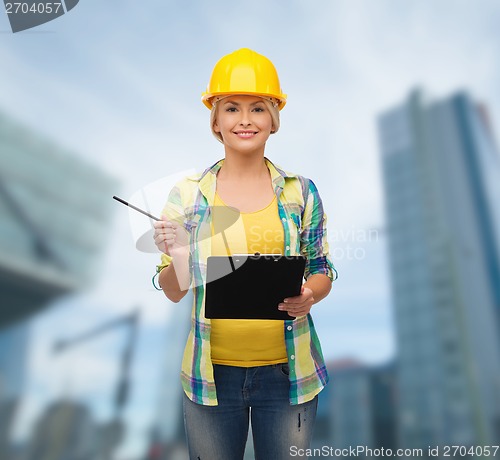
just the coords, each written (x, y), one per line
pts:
(245, 134)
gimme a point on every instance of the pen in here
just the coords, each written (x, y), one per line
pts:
(135, 207)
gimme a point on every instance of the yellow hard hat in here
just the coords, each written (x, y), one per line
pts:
(244, 72)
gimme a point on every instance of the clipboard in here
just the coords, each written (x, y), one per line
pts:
(250, 286)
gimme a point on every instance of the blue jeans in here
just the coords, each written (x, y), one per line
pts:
(220, 432)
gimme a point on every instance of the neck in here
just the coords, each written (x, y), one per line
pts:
(243, 167)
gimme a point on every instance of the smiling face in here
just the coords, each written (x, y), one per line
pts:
(244, 122)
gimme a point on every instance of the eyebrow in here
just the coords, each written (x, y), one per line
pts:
(236, 103)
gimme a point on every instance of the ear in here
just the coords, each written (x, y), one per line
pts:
(216, 127)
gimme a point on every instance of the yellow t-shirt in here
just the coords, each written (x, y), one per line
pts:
(247, 342)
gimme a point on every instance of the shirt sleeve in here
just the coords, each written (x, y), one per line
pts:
(166, 260)
(313, 237)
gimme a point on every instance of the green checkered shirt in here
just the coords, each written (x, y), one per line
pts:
(304, 222)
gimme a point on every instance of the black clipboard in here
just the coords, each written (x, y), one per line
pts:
(250, 286)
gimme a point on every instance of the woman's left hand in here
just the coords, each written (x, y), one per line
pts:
(299, 305)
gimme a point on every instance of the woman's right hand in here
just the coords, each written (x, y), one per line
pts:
(169, 236)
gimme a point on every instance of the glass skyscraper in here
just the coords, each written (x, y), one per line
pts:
(441, 175)
(54, 219)
(360, 404)
(14, 343)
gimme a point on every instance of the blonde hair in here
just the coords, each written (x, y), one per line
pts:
(271, 106)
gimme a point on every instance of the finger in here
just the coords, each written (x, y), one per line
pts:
(162, 245)
(298, 312)
(288, 307)
(164, 222)
(305, 296)
(160, 237)
(295, 300)
(164, 231)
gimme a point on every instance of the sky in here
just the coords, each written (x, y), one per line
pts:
(119, 83)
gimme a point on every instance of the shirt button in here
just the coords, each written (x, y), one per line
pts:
(292, 357)
(289, 328)
(288, 248)
(284, 219)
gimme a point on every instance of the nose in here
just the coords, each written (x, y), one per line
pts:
(245, 118)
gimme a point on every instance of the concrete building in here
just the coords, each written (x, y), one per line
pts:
(441, 174)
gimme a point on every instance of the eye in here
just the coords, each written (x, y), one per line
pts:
(259, 109)
(231, 109)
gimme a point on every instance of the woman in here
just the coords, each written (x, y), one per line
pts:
(276, 368)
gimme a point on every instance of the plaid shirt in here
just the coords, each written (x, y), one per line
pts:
(304, 222)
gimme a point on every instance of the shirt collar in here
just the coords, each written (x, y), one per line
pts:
(207, 179)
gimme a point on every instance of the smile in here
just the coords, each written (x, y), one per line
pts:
(245, 134)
